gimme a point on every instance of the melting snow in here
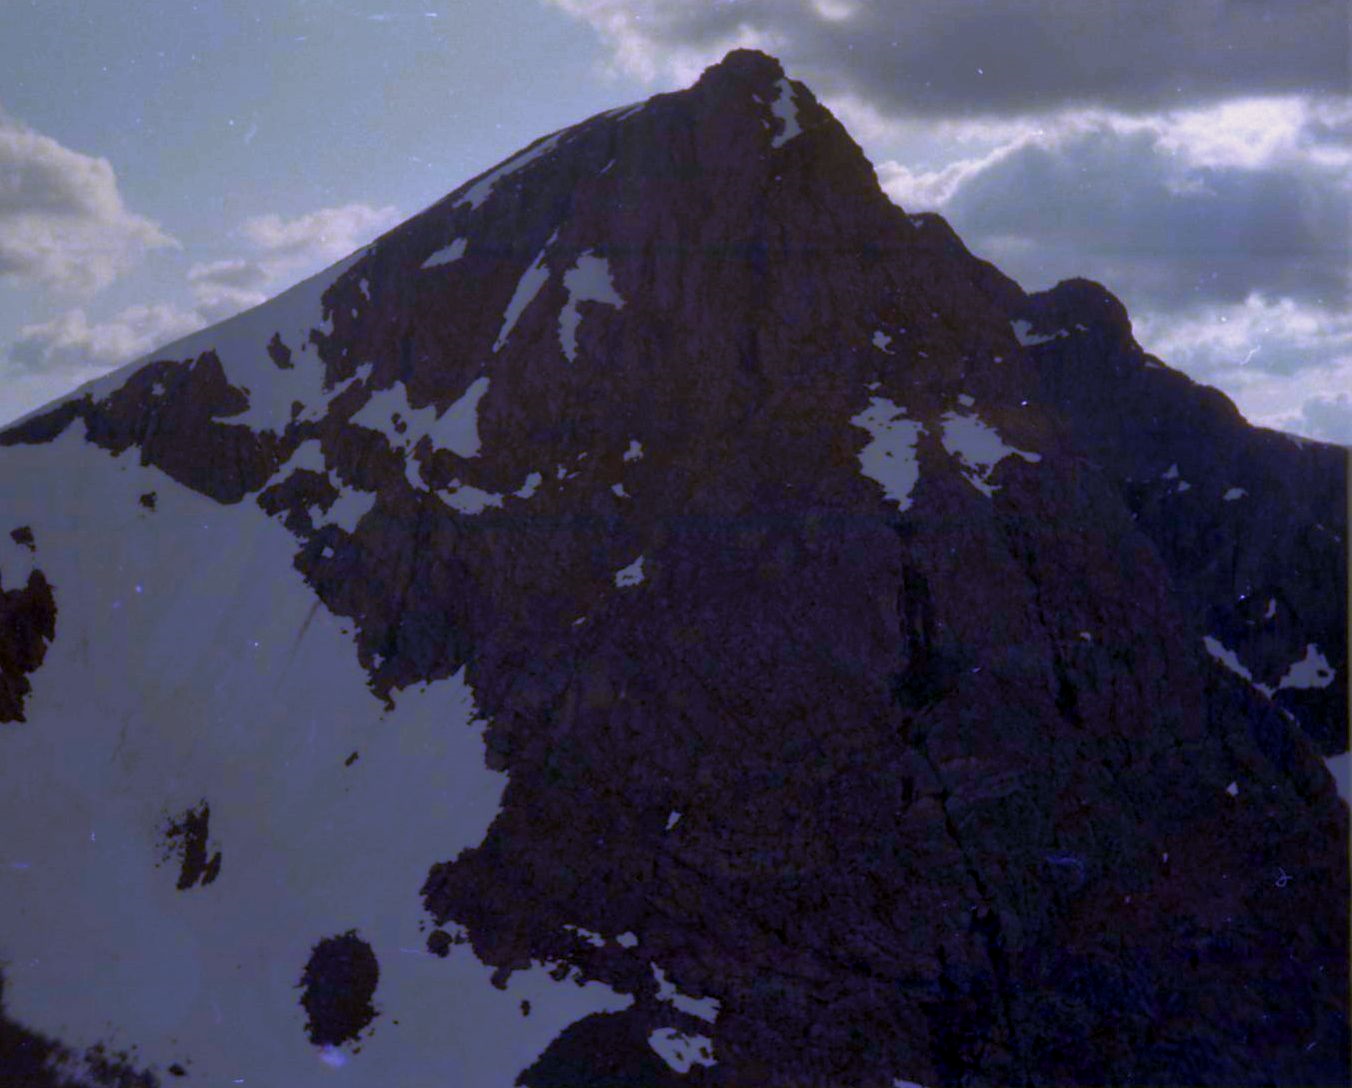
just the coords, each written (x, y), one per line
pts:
(627, 940)
(619, 490)
(1311, 671)
(154, 723)
(681, 1052)
(456, 429)
(593, 939)
(785, 108)
(480, 191)
(532, 484)
(448, 255)
(881, 340)
(1023, 333)
(635, 450)
(588, 281)
(965, 400)
(1233, 494)
(468, 500)
(631, 575)
(979, 447)
(889, 458)
(526, 289)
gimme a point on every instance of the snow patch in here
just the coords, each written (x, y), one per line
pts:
(1340, 766)
(587, 281)
(635, 450)
(619, 490)
(881, 341)
(682, 1052)
(448, 254)
(966, 401)
(979, 448)
(673, 819)
(631, 575)
(480, 191)
(627, 940)
(1311, 671)
(592, 938)
(1233, 494)
(1232, 789)
(456, 429)
(1271, 608)
(527, 288)
(468, 500)
(1231, 661)
(1023, 333)
(889, 457)
(704, 1008)
(785, 109)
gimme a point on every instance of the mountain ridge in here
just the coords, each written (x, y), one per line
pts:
(832, 613)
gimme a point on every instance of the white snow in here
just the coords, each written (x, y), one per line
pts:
(1271, 608)
(889, 458)
(241, 345)
(673, 819)
(785, 108)
(347, 509)
(1311, 671)
(1340, 766)
(705, 1008)
(527, 288)
(468, 500)
(1232, 789)
(1183, 485)
(627, 940)
(532, 485)
(881, 341)
(1023, 333)
(1171, 473)
(592, 938)
(619, 490)
(447, 255)
(456, 429)
(226, 680)
(901, 1082)
(480, 191)
(635, 450)
(631, 575)
(1233, 494)
(1231, 661)
(979, 448)
(587, 281)
(681, 1052)
(965, 400)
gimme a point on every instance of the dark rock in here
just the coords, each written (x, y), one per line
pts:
(339, 981)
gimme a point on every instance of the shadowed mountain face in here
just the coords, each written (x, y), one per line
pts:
(780, 651)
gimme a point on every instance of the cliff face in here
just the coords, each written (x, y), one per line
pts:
(896, 676)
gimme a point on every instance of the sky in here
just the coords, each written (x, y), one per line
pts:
(165, 164)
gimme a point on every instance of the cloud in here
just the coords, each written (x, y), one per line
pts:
(1327, 417)
(966, 57)
(62, 220)
(70, 344)
(1172, 211)
(223, 288)
(320, 236)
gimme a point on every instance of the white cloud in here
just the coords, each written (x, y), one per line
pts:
(223, 288)
(318, 237)
(70, 343)
(62, 220)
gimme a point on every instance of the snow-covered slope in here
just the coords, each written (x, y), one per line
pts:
(195, 666)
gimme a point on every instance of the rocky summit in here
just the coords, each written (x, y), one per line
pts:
(663, 615)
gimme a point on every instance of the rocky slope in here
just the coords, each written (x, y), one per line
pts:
(664, 615)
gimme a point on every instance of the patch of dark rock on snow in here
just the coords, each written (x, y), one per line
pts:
(186, 837)
(23, 536)
(29, 1059)
(27, 627)
(339, 981)
(279, 353)
(607, 1050)
(147, 500)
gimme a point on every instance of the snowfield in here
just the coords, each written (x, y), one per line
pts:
(191, 663)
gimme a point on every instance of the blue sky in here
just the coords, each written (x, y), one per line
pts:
(164, 164)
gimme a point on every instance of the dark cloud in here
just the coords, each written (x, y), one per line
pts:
(1123, 207)
(966, 57)
(1329, 418)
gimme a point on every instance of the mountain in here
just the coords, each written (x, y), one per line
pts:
(665, 616)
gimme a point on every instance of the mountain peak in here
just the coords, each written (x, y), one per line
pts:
(746, 66)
